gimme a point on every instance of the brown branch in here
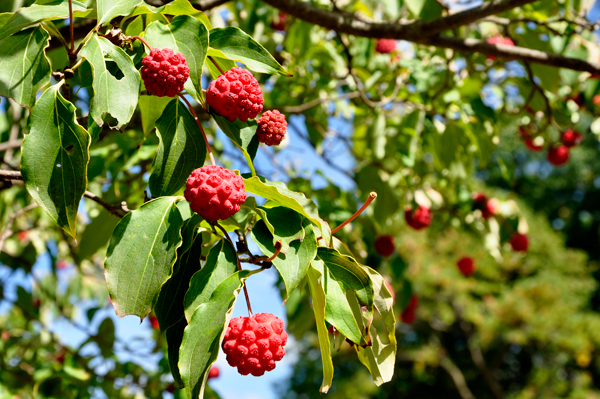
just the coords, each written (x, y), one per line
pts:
(119, 210)
(297, 109)
(457, 377)
(10, 145)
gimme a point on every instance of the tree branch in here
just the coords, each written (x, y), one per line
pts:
(119, 210)
(9, 145)
(457, 377)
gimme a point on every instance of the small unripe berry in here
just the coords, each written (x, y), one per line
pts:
(235, 95)
(254, 344)
(466, 265)
(215, 192)
(408, 314)
(272, 127)
(419, 219)
(385, 46)
(519, 242)
(558, 155)
(164, 72)
(384, 245)
(571, 138)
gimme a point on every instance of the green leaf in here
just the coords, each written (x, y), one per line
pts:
(174, 338)
(286, 226)
(425, 9)
(169, 306)
(151, 108)
(181, 149)
(177, 7)
(141, 254)
(239, 46)
(189, 37)
(339, 311)
(78, 374)
(24, 68)
(108, 9)
(243, 135)
(317, 294)
(96, 234)
(220, 264)
(293, 265)
(346, 271)
(39, 11)
(117, 97)
(203, 336)
(278, 192)
(380, 358)
(54, 160)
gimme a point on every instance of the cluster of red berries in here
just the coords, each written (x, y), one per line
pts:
(253, 344)
(418, 219)
(558, 154)
(488, 207)
(385, 46)
(235, 95)
(409, 313)
(504, 41)
(271, 128)
(164, 72)
(215, 193)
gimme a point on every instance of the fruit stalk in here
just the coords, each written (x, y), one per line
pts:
(372, 196)
(217, 65)
(210, 154)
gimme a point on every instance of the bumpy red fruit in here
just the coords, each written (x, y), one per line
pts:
(466, 265)
(485, 205)
(419, 219)
(214, 372)
(519, 242)
(385, 46)
(409, 314)
(571, 138)
(215, 192)
(254, 344)
(272, 127)
(236, 94)
(384, 245)
(164, 72)
(558, 155)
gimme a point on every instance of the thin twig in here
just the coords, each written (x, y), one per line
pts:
(217, 65)
(238, 265)
(10, 145)
(210, 154)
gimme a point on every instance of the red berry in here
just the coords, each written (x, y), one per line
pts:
(595, 99)
(236, 94)
(214, 372)
(153, 322)
(384, 245)
(418, 219)
(505, 41)
(385, 46)
(332, 330)
(164, 72)
(61, 264)
(529, 143)
(558, 155)
(485, 205)
(408, 314)
(215, 192)
(170, 388)
(280, 22)
(254, 344)
(571, 138)
(519, 242)
(271, 128)
(391, 290)
(466, 265)
(23, 235)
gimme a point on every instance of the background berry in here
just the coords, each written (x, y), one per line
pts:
(485, 205)
(385, 46)
(558, 155)
(235, 95)
(272, 127)
(254, 344)
(466, 265)
(419, 219)
(499, 40)
(409, 313)
(571, 138)
(519, 242)
(214, 372)
(164, 72)
(384, 245)
(215, 192)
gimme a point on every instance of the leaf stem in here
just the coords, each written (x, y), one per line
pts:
(141, 39)
(238, 265)
(217, 65)
(372, 196)
(210, 154)
(277, 251)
